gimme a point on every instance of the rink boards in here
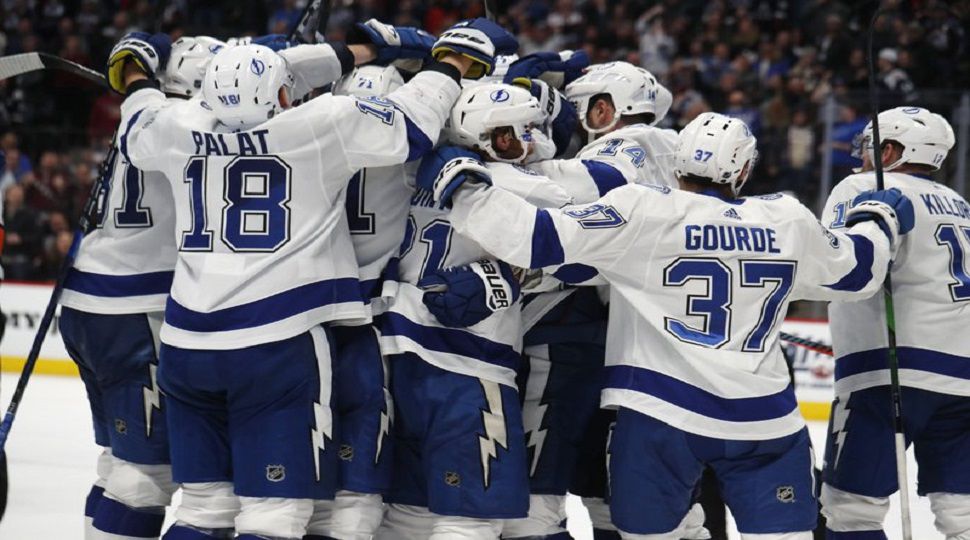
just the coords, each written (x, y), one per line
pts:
(24, 304)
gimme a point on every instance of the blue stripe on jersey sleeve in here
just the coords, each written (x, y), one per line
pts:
(265, 310)
(575, 273)
(694, 399)
(909, 358)
(123, 142)
(606, 177)
(418, 143)
(546, 247)
(119, 286)
(861, 274)
(450, 340)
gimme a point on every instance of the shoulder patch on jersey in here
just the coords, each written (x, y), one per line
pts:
(597, 216)
(833, 240)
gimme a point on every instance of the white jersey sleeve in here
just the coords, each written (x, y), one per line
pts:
(265, 250)
(698, 287)
(931, 295)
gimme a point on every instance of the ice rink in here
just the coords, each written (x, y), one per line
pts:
(51, 455)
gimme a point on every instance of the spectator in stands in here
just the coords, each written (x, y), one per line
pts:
(894, 80)
(23, 236)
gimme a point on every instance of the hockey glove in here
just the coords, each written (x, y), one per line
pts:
(444, 170)
(276, 42)
(558, 69)
(392, 42)
(466, 295)
(560, 115)
(149, 51)
(480, 40)
(889, 208)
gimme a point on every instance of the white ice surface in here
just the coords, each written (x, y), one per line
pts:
(51, 458)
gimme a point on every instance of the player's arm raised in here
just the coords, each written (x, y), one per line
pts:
(851, 263)
(599, 234)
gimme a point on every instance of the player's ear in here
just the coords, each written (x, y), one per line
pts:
(284, 98)
(891, 153)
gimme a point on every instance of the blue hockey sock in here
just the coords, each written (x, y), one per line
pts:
(93, 500)
(603, 534)
(114, 517)
(854, 535)
(183, 532)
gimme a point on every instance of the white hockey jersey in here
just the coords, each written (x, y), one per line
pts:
(489, 349)
(633, 154)
(126, 265)
(264, 245)
(931, 295)
(698, 288)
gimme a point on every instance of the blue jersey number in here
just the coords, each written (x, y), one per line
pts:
(255, 214)
(840, 209)
(952, 237)
(131, 214)
(380, 108)
(714, 306)
(436, 236)
(360, 222)
(636, 153)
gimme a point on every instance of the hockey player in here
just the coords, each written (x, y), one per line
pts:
(566, 432)
(265, 256)
(699, 280)
(931, 293)
(460, 464)
(111, 314)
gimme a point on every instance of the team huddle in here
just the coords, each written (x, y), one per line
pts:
(456, 285)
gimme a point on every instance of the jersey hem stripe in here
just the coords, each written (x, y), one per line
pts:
(450, 340)
(910, 358)
(112, 286)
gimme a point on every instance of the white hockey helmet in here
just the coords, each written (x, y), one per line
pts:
(716, 147)
(186, 67)
(926, 137)
(369, 81)
(242, 85)
(633, 90)
(483, 107)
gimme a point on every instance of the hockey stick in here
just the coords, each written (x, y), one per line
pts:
(89, 218)
(894, 388)
(812, 345)
(18, 64)
(310, 27)
(490, 10)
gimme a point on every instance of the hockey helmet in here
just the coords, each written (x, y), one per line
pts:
(186, 67)
(482, 108)
(369, 81)
(242, 85)
(716, 147)
(633, 90)
(926, 137)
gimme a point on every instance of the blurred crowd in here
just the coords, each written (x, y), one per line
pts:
(773, 63)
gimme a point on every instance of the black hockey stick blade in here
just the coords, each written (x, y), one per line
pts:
(312, 23)
(490, 10)
(19, 64)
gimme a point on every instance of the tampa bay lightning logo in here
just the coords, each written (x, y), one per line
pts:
(500, 95)
(257, 66)
(215, 48)
(912, 110)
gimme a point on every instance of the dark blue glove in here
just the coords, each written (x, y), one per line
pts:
(393, 42)
(889, 208)
(149, 51)
(444, 170)
(478, 39)
(570, 65)
(466, 295)
(277, 42)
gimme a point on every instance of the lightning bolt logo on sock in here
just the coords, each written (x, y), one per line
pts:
(840, 415)
(322, 414)
(494, 422)
(151, 397)
(386, 414)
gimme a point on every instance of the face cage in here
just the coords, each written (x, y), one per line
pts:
(523, 133)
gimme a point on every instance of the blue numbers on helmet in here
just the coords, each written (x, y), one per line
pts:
(702, 155)
(255, 214)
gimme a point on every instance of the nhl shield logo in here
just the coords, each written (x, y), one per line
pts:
(275, 473)
(121, 426)
(346, 452)
(785, 494)
(453, 479)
